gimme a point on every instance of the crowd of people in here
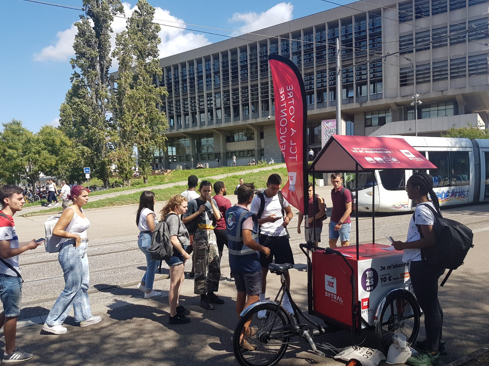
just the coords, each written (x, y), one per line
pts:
(200, 224)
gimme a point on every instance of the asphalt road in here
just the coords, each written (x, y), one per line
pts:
(138, 334)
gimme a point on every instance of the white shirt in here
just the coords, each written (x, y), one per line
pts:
(78, 225)
(424, 216)
(143, 222)
(65, 191)
(51, 187)
(8, 233)
(272, 207)
(190, 195)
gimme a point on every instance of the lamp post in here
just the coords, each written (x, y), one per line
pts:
(415, 103)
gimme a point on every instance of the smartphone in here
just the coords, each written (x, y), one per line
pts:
(40, 240)
(389, 238)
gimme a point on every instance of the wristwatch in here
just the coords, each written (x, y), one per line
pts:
(340, 223)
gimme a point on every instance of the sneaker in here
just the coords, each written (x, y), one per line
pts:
(262, 314)
(441, 347)
(424, 359)
(17, 357)
(214, 299)
(152, 293)
(178, 319)
(141, 287)
(48, 205)
(55, 329)
(205, 304)
(182, 311)
(93, 320)
(56, 204)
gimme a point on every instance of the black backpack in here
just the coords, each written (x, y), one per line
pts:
(161, 247)
(453, 241)
(261, 195)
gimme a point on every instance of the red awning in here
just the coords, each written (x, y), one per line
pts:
(342, 153)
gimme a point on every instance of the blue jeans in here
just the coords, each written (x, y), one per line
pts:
(144, 243)
(343, 234)
(74, 262)
(11, 295)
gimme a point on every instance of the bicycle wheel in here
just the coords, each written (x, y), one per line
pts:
(399, 314)
(264, 341)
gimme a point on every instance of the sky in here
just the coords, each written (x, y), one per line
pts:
(36, 43)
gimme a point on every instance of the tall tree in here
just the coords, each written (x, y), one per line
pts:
(136, 99)
(84, 116)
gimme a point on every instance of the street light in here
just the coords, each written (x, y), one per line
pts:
(415, 103)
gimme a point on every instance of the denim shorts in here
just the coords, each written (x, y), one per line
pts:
(176, 258)
(343, 234)
(11, 295)
(251, 283)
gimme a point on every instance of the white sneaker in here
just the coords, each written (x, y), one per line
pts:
(262, 314)
(151, 294)
(55, 329)
(56, 204)
(141, 287)
(48, 205)
(91, 321)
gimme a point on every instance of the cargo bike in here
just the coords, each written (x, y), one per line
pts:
(359, 288)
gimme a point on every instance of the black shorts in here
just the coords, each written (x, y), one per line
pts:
(222, 239)
(279, 250)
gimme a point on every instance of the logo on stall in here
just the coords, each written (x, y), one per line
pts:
(365, 303)
(370, 279)
(330, 284)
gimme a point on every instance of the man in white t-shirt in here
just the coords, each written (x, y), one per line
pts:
(191, 193)
(269, 207)
(12, 200)
(65, 192)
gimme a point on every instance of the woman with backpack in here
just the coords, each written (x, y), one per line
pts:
(146, 222)
(180, 239)
(424, 278)
(72, 227)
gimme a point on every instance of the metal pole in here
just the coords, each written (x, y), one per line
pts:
(416, 115)
(339, 129)
(373, 207)
(356, 206)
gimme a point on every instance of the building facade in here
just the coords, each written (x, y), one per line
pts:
(221, 101)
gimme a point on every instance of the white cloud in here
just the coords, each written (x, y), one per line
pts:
(54, 122)
(62, 50)
(280, 13)
(174, 38)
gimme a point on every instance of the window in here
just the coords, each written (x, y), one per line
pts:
(241, 135)
(405, 11)
(478, 65)
(459, 164)
(406, 44)
(474, 2)
(393, 179)
(440, 70)
(457, 68)
(406, 76)
(478, 29)
(440, 37)
(375, 68)
(378, 118)
(423, 41)
(362, 90)
(440, 175)
(457, 33)
(421, 8)
(438, 6)
(457, 4)
(423, 73)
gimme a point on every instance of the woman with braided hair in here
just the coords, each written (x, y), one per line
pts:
(424, 278)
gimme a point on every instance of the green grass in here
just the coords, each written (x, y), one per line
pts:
(259, 179)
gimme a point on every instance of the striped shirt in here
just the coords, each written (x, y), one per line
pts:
(8, 233)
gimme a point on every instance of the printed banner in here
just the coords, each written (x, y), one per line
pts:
(328, 129)
(290, 120)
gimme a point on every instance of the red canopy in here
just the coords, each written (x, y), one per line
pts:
(342, 153)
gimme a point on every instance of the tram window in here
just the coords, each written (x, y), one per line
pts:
(459, 162)
(486, 183)
(441, 176)
(393, 179)
(364, 181)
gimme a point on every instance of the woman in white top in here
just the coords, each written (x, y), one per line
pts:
(146, 222)
(51, 187)
(72, 226)
(424, 278)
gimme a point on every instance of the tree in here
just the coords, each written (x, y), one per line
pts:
(467, 132)
(135, 102)
(84, 116)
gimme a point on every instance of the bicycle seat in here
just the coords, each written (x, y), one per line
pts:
(279, 268)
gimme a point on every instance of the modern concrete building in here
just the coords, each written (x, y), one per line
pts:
(221, 102)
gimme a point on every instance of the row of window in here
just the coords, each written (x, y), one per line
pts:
(475, 30)
(417, 9)
(441, 70)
